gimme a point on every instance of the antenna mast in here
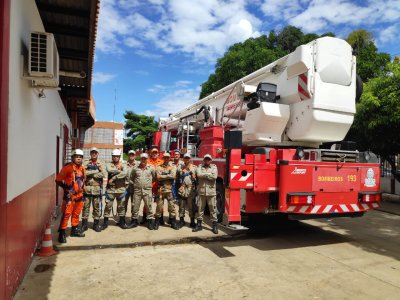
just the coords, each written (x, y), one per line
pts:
(115, 100)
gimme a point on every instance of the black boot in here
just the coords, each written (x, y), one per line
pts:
(162, 220)
(215, 227)
(192, 223)
(84, 226)
(174, 225)
(96, 226)
(143, 219)
(133, 224)
(156, 223)
(169, 221)
(75, 231)
(151, 224)
(105, 223)
(61, 236)
(122, 223)
(181, 222)
(198, 226)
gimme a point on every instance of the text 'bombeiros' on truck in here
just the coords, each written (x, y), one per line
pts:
(265, 132)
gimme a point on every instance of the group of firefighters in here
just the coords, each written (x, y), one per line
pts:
(150, 179)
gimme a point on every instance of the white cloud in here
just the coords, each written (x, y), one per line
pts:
(278, 9)
(204, 29)
(148, 55)
(133, 43)
(100, 77)
(321, 15)
(157, 88)
(162, 89)
(201, 28)
(389, 35)
(173, 102)
(182, 83)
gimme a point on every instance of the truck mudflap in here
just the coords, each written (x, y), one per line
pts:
(328, 188)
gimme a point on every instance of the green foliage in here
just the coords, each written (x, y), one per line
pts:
(138, 127)
(359, 39)
(240, 60)
(308, 38)
(370, 63)
(377, 123)
(290, 38)
(244, 58)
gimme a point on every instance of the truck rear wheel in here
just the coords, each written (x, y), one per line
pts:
(220, 201)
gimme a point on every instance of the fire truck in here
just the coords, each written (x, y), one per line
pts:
(266, 133)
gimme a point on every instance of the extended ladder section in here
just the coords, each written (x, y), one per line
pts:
(304, 98)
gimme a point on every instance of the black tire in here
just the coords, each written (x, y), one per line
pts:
(220, 201)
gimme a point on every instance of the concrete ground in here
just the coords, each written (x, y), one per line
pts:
(320, 259)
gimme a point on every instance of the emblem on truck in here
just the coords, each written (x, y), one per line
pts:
(299, 171)
(369, 181)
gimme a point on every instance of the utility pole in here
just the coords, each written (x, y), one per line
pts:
(115, 101)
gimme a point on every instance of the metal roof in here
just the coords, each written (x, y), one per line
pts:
(74, 25)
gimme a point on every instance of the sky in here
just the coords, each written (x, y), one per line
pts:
(152, 55)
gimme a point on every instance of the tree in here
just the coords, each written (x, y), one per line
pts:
(377, 123)
(244, 58)
(359, 39)
(370, 63)
(290, 38)
(138, 128)
(240, 60)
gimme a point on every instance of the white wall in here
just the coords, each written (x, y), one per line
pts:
(34, 122)
(386, 185)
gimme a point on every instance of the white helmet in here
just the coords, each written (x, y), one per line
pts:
(116, 152)
(77, 152)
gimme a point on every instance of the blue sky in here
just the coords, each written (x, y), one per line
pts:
(155, 54)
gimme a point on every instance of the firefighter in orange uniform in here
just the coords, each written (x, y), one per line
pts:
(154, 161)
(72, 178)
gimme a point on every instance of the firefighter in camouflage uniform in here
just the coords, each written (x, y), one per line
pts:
(93, 190)
(116, 189)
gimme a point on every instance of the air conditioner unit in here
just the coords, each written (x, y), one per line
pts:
(43, 66)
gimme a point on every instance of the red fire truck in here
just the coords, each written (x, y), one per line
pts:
(265, 133)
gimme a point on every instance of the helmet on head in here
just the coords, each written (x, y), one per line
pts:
(77, 152)
(144, 155)
(116, 152)
(131, 152)
(208, 156)
(94, 149)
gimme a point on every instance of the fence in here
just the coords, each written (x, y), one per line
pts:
(386, 168)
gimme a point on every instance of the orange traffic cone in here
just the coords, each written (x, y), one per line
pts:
(47, 243)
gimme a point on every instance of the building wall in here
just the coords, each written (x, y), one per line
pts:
(4, 51)
(34, 122)
(33, 127)
(105, 136)
(386, 185)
